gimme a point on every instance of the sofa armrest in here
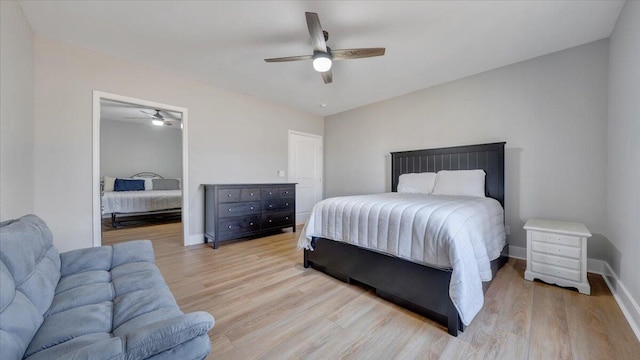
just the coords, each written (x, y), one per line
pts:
(160, 336)
(75, 261)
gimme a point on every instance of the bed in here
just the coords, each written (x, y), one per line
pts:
(148, 203)
(423, 287)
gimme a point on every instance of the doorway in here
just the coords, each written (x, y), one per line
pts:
(305, 169)
(139, 167)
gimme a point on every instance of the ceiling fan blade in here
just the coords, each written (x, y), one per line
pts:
(315, 31)
(327, 76)
(347, 54)
(137, 118)
(167, 115)
(290, 58)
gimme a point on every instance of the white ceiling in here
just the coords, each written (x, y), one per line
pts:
(223, 43)
(119, 111)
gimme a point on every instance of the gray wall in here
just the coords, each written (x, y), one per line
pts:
(550, 110)
(16, 112)
(623, 148)
(129, 148)
(231, 137)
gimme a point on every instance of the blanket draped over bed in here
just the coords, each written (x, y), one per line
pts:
(454, 232)
(141, 201)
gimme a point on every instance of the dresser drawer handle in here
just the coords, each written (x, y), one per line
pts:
(286, 218)
(286, 192)
(287, 204)
(270, 220)
(251, 208)
(250, 223)
(270, 206)
(270, 193)
(229, 226)
(229, 210)
(251, 194)
(229, 195)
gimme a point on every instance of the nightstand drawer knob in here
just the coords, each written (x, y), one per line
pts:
(251, 208)
(287, 204)
(229, 226)
(250, 223)
(251, 194)
(229, 195)
(270, 220)
(286, 218)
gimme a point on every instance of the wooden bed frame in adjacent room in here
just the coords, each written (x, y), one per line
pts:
(420, 288)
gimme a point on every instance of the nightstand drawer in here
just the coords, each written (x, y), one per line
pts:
(554, 249)
(555, 260)
(569, 274)
(555, 238)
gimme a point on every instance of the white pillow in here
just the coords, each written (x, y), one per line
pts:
(417, 183)
(460, 183)
(108, 183)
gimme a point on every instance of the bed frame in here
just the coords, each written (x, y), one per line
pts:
(420, 288)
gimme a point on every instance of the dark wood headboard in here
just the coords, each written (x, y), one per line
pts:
(488, 157)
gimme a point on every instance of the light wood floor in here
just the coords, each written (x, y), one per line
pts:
(268, 306)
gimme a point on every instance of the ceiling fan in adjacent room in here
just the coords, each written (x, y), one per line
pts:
(157, 118)
(323, 56)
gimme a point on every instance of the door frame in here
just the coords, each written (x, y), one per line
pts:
(97, 213)
(289, 162)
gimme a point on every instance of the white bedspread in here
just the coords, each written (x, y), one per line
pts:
(140, 201)
(455, 232)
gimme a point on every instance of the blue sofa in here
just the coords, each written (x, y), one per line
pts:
(109, 302)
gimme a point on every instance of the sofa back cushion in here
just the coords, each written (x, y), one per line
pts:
(29, 273)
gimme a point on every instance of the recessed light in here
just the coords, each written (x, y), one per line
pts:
(157, 122)
(323, 105)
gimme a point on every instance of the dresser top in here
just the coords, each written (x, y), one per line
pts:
(560, 227)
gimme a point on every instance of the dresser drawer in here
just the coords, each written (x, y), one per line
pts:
(555, 260)
(238, 209)
(270, 193)
(235, 227)
(555, 238)
(569, 274)
(554, 249)
(277, 219)
(287, 192)
(228, 195)
(250, 194)
(277, 205)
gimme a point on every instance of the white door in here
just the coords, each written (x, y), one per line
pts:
(305, 168)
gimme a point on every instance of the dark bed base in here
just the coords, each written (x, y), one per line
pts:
(419, 288)
(115, 223)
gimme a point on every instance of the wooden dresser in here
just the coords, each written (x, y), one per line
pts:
(557, 253)
(234, 211)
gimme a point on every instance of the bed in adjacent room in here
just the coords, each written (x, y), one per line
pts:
(140, 194)
(432, 245)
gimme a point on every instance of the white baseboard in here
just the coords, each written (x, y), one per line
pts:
(625, 301)
(195, 239)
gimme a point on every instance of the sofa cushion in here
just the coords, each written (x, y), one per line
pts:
(32, 263)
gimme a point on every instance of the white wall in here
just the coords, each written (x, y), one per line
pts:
(231, 137)
(550, 110)
(16, 112)
(623, 148)
(129, 148)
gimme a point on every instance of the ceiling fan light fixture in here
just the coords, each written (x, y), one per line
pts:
(321, 61)
(157, 122)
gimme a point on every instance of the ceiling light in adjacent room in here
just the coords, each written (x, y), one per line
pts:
(321, 61)
(157, 122)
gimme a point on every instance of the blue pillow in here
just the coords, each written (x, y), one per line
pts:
(128, 185)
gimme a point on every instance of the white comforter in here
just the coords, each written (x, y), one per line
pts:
(455, 232)
(140, 201)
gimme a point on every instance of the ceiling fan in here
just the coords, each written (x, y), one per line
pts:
(323, 56)
(157, 118)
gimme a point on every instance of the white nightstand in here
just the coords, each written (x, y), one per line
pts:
(557, 253)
